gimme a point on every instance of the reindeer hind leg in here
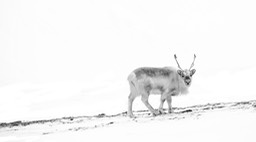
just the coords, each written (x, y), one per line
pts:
(130, 102)
(132, 96)
(144, 99)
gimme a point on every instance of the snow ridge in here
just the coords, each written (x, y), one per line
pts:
(81, 123)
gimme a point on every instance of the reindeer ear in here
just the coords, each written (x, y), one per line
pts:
(180, 72)
(192, 72)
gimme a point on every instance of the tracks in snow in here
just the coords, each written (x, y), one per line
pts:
(79, 123)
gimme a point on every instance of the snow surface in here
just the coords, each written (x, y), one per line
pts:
(61, 58)
(212, 122)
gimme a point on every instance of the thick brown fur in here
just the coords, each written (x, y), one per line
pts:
(147, 80)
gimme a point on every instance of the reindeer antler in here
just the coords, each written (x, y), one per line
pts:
(177, 61)
(193, 62)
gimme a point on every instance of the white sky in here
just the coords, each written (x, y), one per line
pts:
(60, 40)
(80, 52)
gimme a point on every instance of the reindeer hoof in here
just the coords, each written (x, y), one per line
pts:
(170, 111)
(161, 111)
(155, 113)
(130, 115)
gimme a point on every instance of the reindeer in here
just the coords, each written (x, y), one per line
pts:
(166, 81)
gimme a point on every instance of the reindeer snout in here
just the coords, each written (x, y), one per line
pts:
(187, 79)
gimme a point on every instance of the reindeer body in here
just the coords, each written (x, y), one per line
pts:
(166, 81)
(145, 81)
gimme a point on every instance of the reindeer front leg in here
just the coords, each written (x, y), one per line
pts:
(161, 110)
(162, 100)
(169, 101)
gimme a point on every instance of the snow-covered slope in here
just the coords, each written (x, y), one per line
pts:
(61, 58)
(209, 122)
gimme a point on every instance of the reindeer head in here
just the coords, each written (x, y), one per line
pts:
(186, 74)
